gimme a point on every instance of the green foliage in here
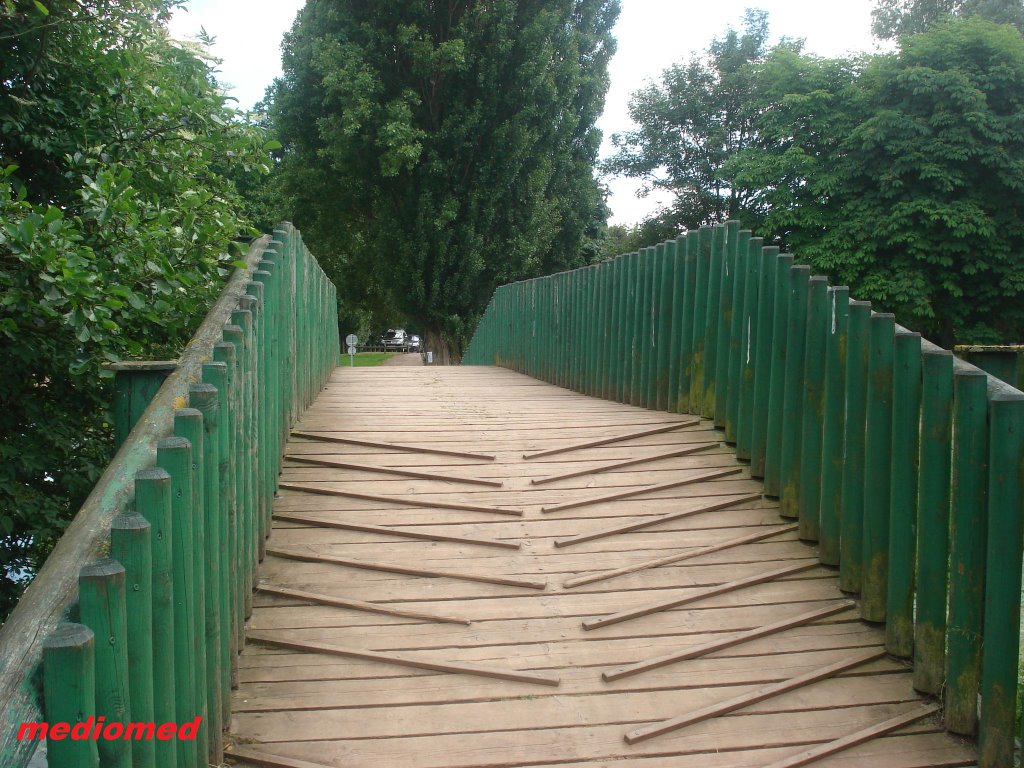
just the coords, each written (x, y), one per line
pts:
(903, 176)
(893, 18)
(699, 115)
(118, 220)
(434, 152)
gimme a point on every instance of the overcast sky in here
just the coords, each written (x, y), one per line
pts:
(651, 34)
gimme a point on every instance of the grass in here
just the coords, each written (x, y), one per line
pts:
(367, 358)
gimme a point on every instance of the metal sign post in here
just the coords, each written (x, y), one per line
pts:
(351, 340)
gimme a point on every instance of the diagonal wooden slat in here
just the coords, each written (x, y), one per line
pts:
(358, 605)
(403, 660)
(391, 471)
(668, 560)
(727, 642)
(641, 491)
(403, 501)
(753, 697)
(391, 446)
(694, 596)
(385, 531)
(626, 463)
(856, 738)
(267, 760)
(650, 522)
(611, 440)
(368, 565)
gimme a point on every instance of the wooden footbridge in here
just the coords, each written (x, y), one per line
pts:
(689, 507)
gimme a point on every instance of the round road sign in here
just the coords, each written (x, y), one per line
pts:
(351, 350)
(351, 340)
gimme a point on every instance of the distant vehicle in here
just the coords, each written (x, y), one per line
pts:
(414, 343)
(395, 338)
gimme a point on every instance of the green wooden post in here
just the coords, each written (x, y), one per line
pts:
(813, 408)
(765, 326)
(932, 573)
(722, 334)
(663, 284)
(649, 357)
(69, 692)
(777, 382)
(641, 315)
(629, 327)
(593, 330)
(702, 248)
(793, 392)
(153, 502)
(246, 456)
(131, 545)
(216, 375)
(852, 514)
(748, 348)
(203, 397)
(226, 352)
(687, 357)
(906, 410)
(101, 596)
(607, 361)
(999, 668)
(135, 384)
(174, 455)
(615, 347)
(968, 535)
(739, 248)
(833, 429)
(712, 314)
(675, 250)
(877, 466)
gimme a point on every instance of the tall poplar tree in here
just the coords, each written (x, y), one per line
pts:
(434, 150)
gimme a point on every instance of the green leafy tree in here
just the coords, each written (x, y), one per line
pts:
(118, 218)
(435, 151)
(903, 175)
(691, 123)
(892, 18)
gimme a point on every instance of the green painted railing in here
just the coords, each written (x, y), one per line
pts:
(903, 462)
(138, 614)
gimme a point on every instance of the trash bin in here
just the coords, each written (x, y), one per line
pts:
(430, 357)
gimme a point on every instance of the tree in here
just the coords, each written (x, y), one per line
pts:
(118, 215)
(903, 176)
(436, 150)
(692, 122)
(893, 18)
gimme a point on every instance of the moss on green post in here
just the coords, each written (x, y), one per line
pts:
(852, 515)
(793, 394)
(688, 247)
(702, 248)
(833, 427)
(812, 414)
(999, 666)
(153, 502)
(906, 408)
(69, 692)
(968, 535)
(663, 338)
(877, 466)
(932, 572)
(101, 596)
(131, 545)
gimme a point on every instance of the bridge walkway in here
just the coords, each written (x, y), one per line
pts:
(636, 603)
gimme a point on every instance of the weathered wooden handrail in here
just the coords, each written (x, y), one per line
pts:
(903, 462)
(255, 363)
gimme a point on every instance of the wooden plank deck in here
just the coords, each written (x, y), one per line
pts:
(310, 695)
